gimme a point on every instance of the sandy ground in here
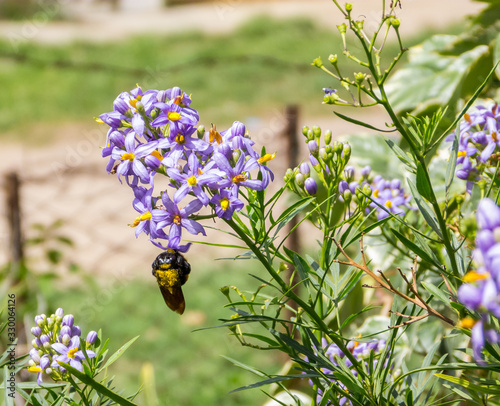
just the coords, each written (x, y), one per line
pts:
(67, 180)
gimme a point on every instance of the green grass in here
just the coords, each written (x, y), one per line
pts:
(263, 65)
(189, 367)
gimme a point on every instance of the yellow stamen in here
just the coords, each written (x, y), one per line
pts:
(388, 204)
(179, 139)
(473, 276)
(172, 116)
(178, 100)
(240, 178)
(375, 193)
(128, 156)
(35, 369)
(200, 172)
(133, 103)
(177, 220)
(142, 217)
(156, 154)
(98, 120)
(192, 181)
(462, 153)
(213, 135)
(467, 117)
(467, 322)
(224, 203)
(266, 158)
(72, 352)
(494, 136)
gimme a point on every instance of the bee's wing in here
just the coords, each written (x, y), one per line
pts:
(174, 298)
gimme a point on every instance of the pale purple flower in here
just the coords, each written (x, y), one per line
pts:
(226, 203)
(70, 354)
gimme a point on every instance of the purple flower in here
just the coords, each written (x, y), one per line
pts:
(70, 354)
(311, 186)
(226, 203)
(239, 174)
(143, 203)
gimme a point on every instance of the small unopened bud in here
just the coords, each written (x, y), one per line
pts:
(201, 131)
(333, 59)
(304, 169)
(310, 135)
(337, 147)
(348, 7)
(140, 107)
(367, 190)
(359, 77)
(300, 179)
(236, 155)
(317, 62)
(311, 186)
(347, 195)
(349, 173)
(328, 136)
(395, 23)
(316, 131)
(305, 130)
(91, 337)
(365, 172)
(283, 267)
(346, 152)
(36, 331)
(154, 113)
(59, 313)
(66, 339)
(323, 154)
(313, 148)
(68, 320)
(342, 28)
(359, 24)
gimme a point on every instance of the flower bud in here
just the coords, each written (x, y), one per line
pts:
(365, 172)
(346, 152)
(154, 113)
(342, 28)
(200, 131)
(300, 179)
(316, 131)
(35, 356)
(359, 77)
(304, 169)
(310, 135)
(323, 154)
(313, 148)
(395, 23)
(68, 320)
(36, 331)
(317, 62)
(349, 173)
(367, 190)
(44, 338)
(140, 107)
(395, 184)
(91, 337)
(328, 136)
(76, 331)
(283, 267)
(65, 330)
(333, 59)
(41, 320)
(347, 195)
(343, 186)
(337, 147)
(315, 164)
(66, 339)
(35, 343)
(359, 24)
(236, 155)
(305, 130)
(311, 186)
(348, 7)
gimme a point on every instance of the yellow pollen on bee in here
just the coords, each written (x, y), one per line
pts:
(239, 178)
(473, 276)
(266, 158)
(156, 154)
(388, 204)
(224, 203)
(177, 220)
(34, 369)
(375, 193)
(127, 156)
(467, 322)
(173, 116)
(192, 181)
(179, 139)
(462, 153)
(72, 352)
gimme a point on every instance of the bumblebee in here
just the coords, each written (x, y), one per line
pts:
(172, 270)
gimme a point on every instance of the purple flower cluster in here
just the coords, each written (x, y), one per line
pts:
(360, 350)
(57, 339)
(481, 290)
(479, 143)
(389, 194)
(157, 132)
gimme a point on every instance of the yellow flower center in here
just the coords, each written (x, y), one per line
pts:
(72, 352)
(375, 193)
(224, 203)
(192, 181)
(35, 369)
(462, 153)
(266, 158)
(172, 116)
(156, 154)
(177, 220)
(127, 156)
(473, 276)
(467, 322)
(179, 139)
(240, 178)
(388, 204)
(494, 136)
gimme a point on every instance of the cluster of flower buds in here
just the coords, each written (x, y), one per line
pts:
(156, 132)
(327, 161)
(386, 196)
(362, 351)
(479, 143)
(481, 290)
(57, 339)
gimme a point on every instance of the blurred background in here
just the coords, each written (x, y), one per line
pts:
(62, 63)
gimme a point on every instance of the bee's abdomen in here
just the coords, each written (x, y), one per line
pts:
(169, 278)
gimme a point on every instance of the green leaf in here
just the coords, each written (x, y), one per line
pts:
(483, 389)
(401, 155)
(431, 78)
(9, 401)
(361, 123)
(98, 387)
(452, 162)
(424, 208)
(438, 293)
(423, 185)
(422, 253)
(118, 353)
